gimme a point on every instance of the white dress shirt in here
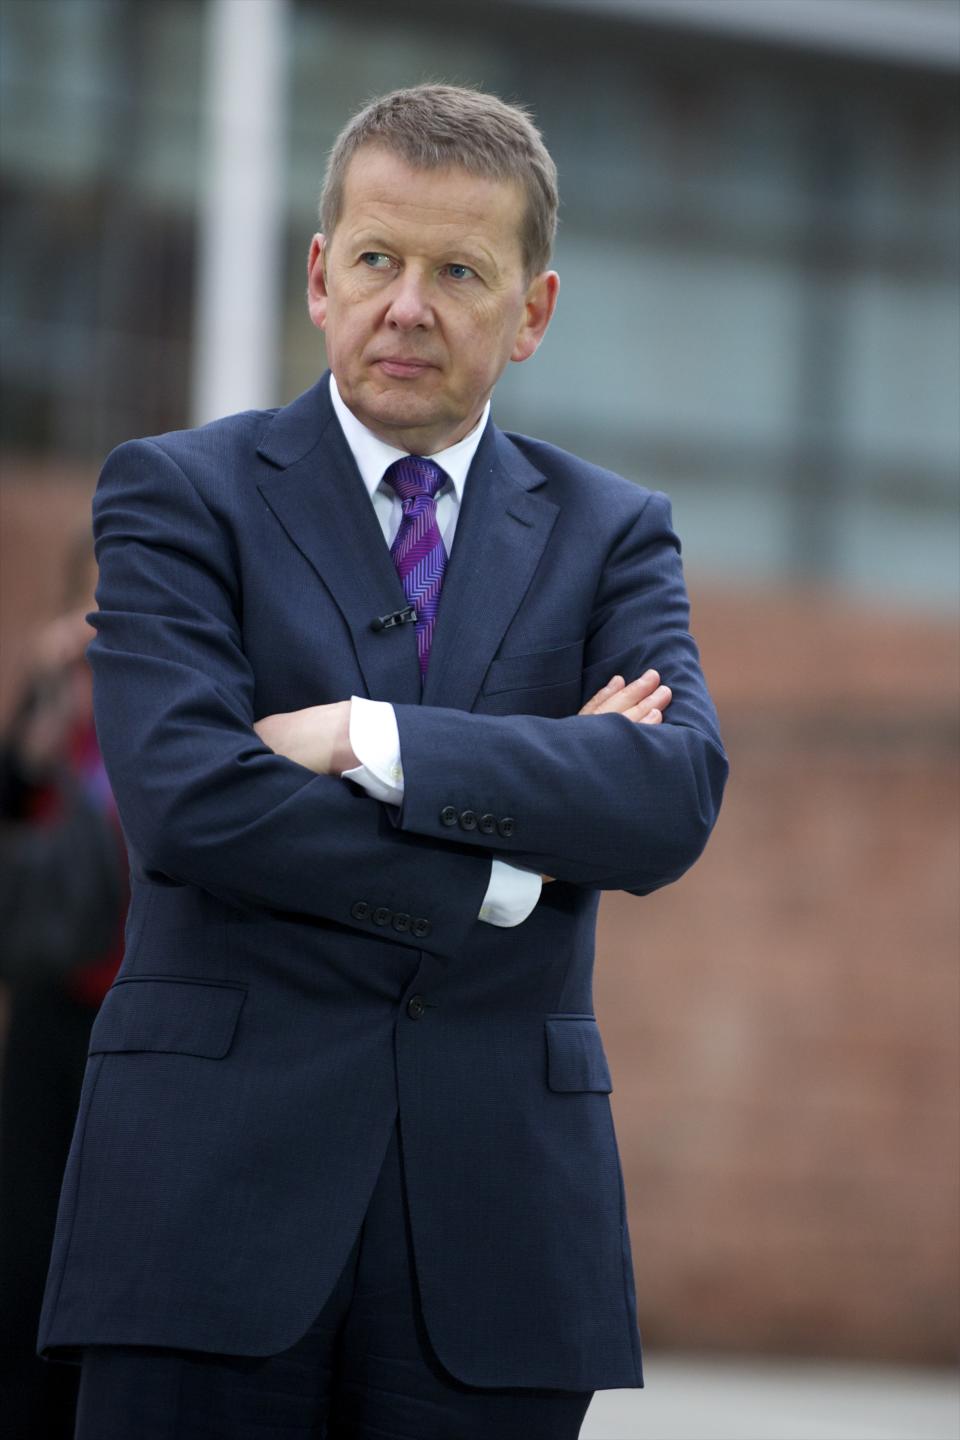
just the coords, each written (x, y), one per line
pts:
(512, 893)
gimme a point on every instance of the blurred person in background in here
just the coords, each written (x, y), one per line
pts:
(63, 891)
(344, 1163)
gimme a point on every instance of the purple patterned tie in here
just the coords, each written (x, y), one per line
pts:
(418, 550)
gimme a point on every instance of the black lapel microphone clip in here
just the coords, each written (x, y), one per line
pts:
(407, 616)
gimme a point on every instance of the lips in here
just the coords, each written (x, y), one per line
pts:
(402, 368)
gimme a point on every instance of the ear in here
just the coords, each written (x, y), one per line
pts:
(538, 308)
(317, 281)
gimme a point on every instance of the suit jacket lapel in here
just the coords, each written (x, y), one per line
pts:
(501, 533)
(320, 500)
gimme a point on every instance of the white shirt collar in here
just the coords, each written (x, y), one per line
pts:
(373, 455)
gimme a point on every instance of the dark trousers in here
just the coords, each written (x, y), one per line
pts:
(364, 1370)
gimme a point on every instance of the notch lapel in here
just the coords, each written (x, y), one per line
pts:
(321, 502)
(501, 534)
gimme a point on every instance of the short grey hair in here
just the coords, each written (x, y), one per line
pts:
(436, 127)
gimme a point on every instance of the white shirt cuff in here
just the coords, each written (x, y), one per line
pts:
(375, 740)
(511, 896)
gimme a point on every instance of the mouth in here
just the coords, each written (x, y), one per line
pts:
(400, 368)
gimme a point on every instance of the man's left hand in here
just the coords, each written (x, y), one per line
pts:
(317, 737)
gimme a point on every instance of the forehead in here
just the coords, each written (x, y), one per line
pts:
(382, 190)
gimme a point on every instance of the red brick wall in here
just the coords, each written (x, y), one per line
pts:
(783, 1023)
(42, 508)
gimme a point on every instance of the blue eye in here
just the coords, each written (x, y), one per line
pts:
(460, 272)
(375, 259)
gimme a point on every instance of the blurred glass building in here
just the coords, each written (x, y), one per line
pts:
(758, 245)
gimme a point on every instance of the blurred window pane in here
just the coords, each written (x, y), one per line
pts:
(98, 175)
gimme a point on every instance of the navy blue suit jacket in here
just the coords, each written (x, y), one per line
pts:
(249, 1063)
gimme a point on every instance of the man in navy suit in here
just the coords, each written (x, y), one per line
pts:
(344, 1162)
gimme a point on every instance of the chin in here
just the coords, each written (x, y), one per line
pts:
(399, 407)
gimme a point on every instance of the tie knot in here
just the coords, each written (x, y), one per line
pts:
(414, 476)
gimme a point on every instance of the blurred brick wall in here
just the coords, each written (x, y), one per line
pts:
(782, 1024)
(42, 509)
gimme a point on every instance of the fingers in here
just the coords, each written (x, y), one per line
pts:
(617, 696)
(643, 701)
(639, 697)
(593, 705)
(650, 710)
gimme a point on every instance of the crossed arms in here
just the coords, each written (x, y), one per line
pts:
(212, 796)
(318, 737)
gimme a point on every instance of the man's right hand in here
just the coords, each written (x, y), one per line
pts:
(643, 701)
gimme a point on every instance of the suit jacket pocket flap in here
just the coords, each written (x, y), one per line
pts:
(575, 1058)
(533, 671)
(181, 1017)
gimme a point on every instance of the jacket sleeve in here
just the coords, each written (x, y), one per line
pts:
(202, 800)
(594, 800)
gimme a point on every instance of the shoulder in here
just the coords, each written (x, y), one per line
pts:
(228, 437)
(214, 465)
(235, 449)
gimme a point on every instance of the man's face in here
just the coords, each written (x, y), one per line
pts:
(423, 299)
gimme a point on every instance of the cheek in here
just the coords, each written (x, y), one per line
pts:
(490, 354)
(342, 332)
(500, 324)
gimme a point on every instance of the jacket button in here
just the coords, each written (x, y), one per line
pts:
(416, 1005)
(487, 824)
(468, 820)
(506, 826)
(401, 922)
(360, 910)
(448, 815)
(382, 916)
(421, 928)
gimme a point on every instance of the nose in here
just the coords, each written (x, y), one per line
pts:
(410, 307)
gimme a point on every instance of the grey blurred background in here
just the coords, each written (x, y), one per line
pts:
(759, 314)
